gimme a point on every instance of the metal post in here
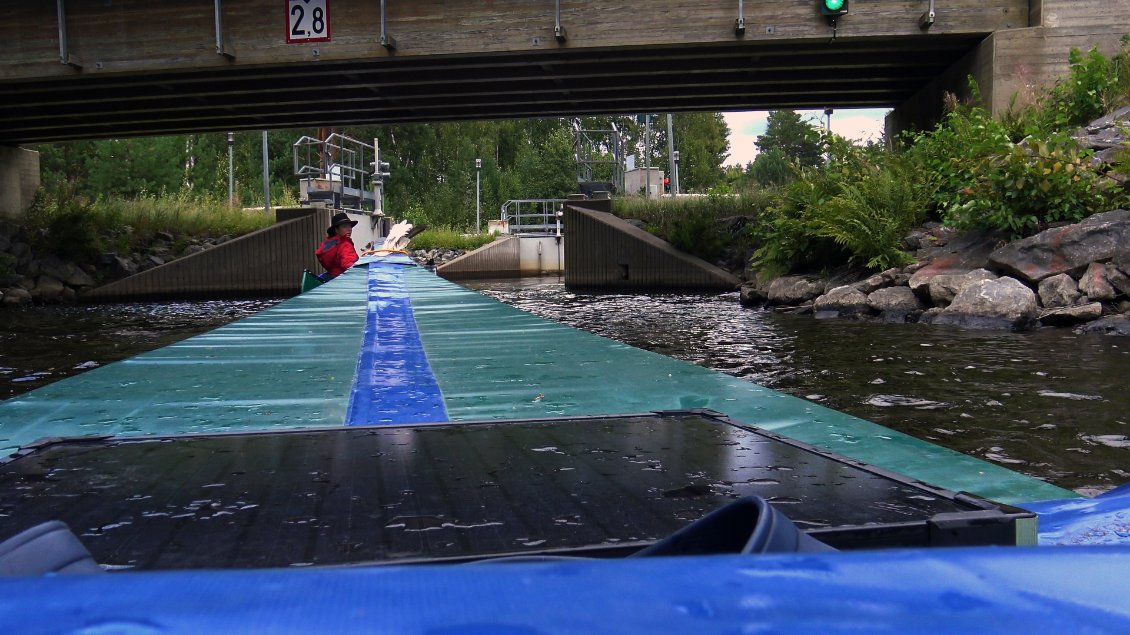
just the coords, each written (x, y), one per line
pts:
(64, 52)
(231, 171)
(386, 39)
(671, 151)
(739, 24)
(828, 121)
(478, 205)
(647, 155)
(675, 179)
(266, 177)
(221, 49)
(558, 30)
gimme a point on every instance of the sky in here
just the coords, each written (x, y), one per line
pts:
(861, 124)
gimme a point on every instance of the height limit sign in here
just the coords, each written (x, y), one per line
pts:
(307, 21)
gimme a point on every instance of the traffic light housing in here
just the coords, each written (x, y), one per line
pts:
(833, 8)
(380, 171)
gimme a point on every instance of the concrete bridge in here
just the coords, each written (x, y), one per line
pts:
(77, 69)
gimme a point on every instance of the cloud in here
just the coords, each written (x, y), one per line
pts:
(863, 124)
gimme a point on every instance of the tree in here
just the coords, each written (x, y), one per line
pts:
(795, 138)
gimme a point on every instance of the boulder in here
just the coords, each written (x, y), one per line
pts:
(950, 252)
(795, 289)
(878, 281)
(944, 287)
(1117, 279)
(895, 300)
(1113, 325)
(66, 272)
(15, 296)
(48, 288)
(751, 295)
(1000, 303)
(845, 300)
(1059, 291)
(5, 244)
(1068, 249)
(164, 236)
(1094, 283)
(1104, 133)
(1072, 315)
(193, 249)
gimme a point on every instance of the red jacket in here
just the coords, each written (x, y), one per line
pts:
(336, 254)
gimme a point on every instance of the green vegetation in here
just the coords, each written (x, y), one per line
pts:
(70, 226)
(703, 226)
(448, 238)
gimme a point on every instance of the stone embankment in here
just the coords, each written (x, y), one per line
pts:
(1072, 275)
(1076, 275)
(29, 277)
(433, 258)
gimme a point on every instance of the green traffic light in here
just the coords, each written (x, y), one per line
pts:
(833, 5)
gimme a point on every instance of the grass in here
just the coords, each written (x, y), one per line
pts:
(73, 227)
(449, 238)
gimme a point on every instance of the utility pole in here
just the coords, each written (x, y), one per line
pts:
(671, 170)
(647, 155)
(231, 171)
(478, 200)
(266, 177)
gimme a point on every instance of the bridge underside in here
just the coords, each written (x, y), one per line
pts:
(855, 72)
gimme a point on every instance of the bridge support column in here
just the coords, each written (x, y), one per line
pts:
(19, 179)
(1011, 66)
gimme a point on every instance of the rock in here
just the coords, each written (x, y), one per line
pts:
(944, 287)
(1072, 315)
(15, 296)
(929, 315)
(164, 237)
(69, 294)
(120, 267)
(1059, 291)
(1117, 279)
(950, 252)
(878, 281)
(5, 244)
(48, 288)
(10, 279)
(1069, 249)
(795, 289)
(1094, 283)
(1114, 325)
(192, 249)
(844, 300)
(1104, 133)
(1000, 303)
(66, 272)
(750, 295)
(895, 301)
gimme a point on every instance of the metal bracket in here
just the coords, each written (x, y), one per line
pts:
(927, 19)
(222, 48)
(558, 30)
(387, 40)
(65, 56)
(739, 24)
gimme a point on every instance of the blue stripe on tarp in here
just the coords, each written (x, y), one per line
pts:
(394, 383)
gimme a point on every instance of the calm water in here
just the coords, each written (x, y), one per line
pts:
(1050, 404)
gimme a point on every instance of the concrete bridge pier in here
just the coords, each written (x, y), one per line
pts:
(1018, 62)
(19, 179)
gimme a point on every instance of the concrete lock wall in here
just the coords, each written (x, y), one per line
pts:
(267, 262)
(606, 252)
(19, 179)
(509, 257)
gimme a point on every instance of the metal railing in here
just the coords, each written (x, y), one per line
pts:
(337, 170)
(534, 216)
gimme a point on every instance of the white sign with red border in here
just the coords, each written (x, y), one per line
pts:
(307, 21)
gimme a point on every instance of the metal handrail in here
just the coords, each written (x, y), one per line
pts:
(342, 161)
(534, 216)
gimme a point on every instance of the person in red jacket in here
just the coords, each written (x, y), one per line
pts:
(337, 253)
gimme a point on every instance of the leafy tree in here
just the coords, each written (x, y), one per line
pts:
(795, 138)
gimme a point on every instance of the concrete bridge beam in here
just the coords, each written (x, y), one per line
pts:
(19, 179)
(1011, 66)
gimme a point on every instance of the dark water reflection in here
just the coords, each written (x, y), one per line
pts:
(1050, 403)
(40, 345)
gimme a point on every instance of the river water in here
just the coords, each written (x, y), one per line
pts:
(1050, 403)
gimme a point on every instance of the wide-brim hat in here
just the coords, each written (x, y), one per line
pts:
(340, 219)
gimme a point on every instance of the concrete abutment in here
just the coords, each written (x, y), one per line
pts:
(19, 180)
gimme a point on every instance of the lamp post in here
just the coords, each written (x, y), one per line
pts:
(266, 177)
(675, 179)
(647, 155)
(828, 120)
(231, 171)
(478, 201)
